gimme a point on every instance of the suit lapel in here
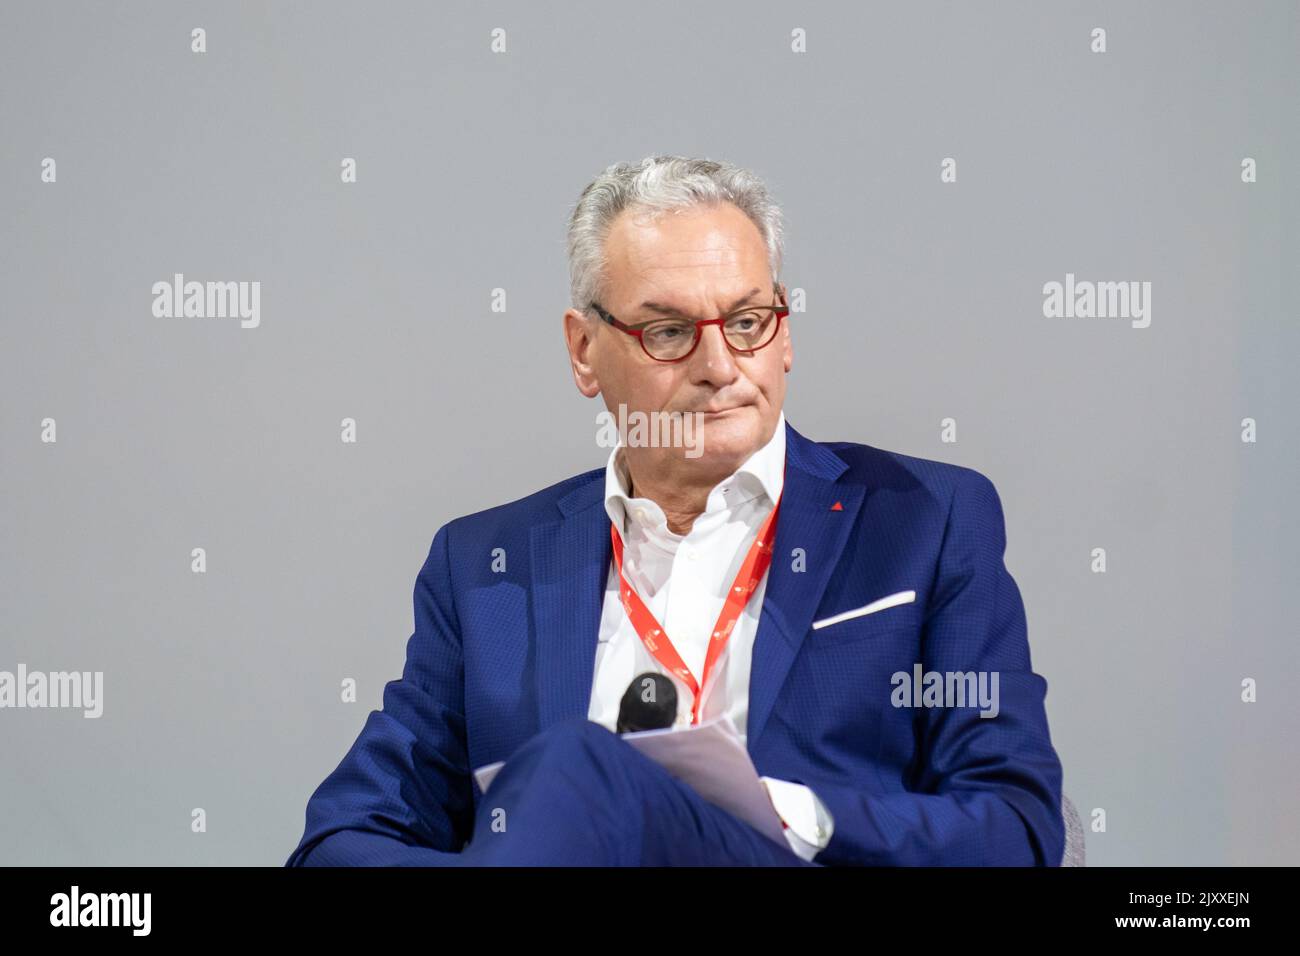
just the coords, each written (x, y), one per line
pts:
(569, 568)
(791, 597)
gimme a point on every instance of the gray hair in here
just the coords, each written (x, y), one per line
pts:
(656, 185)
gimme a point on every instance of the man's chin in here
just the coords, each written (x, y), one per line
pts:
(730, 436)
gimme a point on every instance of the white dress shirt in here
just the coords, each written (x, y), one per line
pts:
(683, 580)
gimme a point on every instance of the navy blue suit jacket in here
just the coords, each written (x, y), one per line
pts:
(498, 656)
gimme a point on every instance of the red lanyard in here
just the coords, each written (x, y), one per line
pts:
(648, 629)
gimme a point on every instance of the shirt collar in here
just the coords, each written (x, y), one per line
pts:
(763, 473)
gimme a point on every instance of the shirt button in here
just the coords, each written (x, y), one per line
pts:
(692, 554)
(821, 832)
(640, 514)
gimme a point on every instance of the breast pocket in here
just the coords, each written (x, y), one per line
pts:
(886, 615)
(850, 665)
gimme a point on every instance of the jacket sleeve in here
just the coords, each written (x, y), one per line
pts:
(988, 790)
(402, 794)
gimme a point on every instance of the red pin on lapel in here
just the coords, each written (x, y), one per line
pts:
(837, 507)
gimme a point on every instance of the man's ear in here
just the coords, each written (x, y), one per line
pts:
(787, 344)
(579, 338)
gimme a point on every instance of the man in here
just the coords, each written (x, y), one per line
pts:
(794, 586)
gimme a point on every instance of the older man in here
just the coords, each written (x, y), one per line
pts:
(803, 589)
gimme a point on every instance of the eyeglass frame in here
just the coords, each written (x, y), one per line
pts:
(780, 311)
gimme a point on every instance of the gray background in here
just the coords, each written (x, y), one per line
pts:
(924, 301)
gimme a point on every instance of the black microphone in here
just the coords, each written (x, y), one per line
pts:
(650, 703)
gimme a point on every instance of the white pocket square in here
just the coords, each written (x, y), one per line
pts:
(889, 600)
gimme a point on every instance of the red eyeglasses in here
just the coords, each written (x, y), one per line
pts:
(672, 338)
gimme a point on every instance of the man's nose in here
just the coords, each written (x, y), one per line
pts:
(713, 360)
